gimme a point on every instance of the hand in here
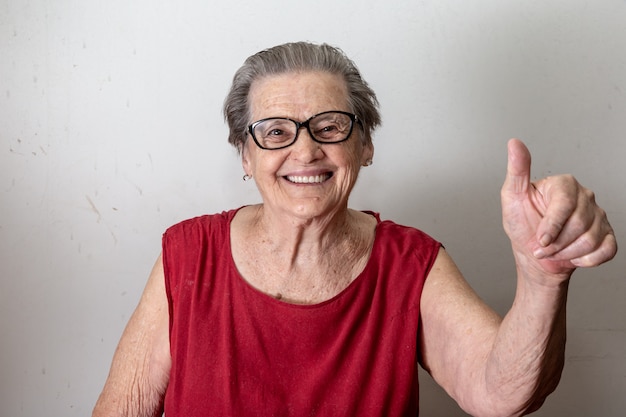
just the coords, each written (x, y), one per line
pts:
(554, 224)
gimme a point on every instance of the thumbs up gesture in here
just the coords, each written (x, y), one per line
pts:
(554, 224)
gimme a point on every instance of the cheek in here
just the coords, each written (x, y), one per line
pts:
(265, 165)
(351, 165)
(252, 159)
(356, 156)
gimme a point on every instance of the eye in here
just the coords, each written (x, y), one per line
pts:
(329, 128)
(277, 133)
(326, 131)
(274, 130)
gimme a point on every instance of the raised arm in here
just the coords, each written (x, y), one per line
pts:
(506, 367)
(141, 365)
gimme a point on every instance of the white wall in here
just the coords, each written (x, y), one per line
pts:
(110, 130)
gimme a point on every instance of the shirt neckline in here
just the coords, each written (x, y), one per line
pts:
(272, 300)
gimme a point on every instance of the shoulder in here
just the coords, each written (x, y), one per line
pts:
(401, 248)
(199, 225)
(193, 238)
(403, 235)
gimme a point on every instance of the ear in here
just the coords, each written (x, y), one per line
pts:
(245, 160)
(368, 154)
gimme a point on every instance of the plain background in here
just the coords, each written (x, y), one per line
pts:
(111, 130)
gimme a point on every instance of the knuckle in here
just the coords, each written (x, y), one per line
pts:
(589, 195)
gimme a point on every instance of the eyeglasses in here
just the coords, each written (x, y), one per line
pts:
(279, 132)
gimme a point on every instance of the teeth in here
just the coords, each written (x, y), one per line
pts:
(313, 179)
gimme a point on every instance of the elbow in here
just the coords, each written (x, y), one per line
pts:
(496, 406)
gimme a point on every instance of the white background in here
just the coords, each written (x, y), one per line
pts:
(111, 130)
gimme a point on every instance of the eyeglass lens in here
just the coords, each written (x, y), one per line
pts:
(329, 127)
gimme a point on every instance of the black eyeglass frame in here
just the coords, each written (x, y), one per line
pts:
(299, 125)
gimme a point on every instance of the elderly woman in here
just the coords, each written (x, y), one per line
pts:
(301, 306)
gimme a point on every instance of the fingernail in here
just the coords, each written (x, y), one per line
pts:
(545, 240)
(539, 253)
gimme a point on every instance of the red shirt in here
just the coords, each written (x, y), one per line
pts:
(239, 352)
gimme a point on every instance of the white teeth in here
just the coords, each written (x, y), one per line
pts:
(313, 179)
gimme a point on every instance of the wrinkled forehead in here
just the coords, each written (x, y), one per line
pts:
(297, 95)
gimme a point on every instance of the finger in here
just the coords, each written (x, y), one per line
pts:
(605, 252)
(583, 245)
(578, 238)
(561, 199)
(517, 178)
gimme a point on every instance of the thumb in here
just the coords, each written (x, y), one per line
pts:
(517, 178)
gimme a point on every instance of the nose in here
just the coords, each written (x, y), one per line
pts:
(305, 148)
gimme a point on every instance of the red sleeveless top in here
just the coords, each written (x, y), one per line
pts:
(239, 352)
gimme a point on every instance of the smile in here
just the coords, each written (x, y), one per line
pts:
(311, 179)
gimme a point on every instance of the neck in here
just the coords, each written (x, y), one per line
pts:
(303, 260)
(311, 236)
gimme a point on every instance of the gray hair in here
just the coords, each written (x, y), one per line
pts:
(294, 57)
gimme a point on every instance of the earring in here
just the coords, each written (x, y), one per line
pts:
(247, 177)
(368, 162)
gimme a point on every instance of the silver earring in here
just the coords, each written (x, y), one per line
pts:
(247, 177)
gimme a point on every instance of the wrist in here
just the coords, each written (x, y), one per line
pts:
(545, 273)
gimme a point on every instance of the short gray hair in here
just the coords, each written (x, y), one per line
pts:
(294, 57)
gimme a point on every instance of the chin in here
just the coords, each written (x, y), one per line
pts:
(316, 208)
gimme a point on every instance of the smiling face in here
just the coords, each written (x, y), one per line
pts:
(306, 179)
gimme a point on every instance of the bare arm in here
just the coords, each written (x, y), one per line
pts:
(489, 365)
(140, 370)
(506, 367)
